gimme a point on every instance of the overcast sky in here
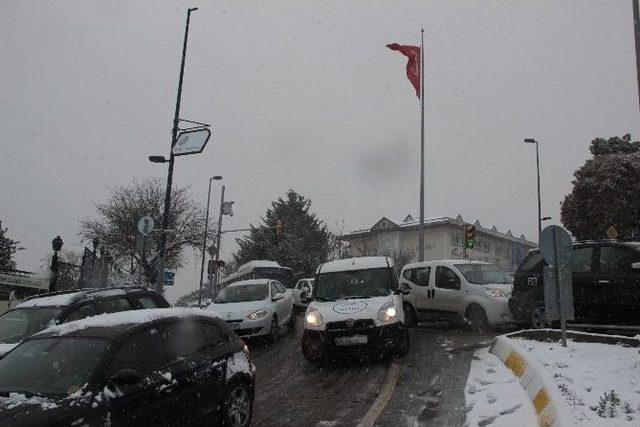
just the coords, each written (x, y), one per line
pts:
(305, 95)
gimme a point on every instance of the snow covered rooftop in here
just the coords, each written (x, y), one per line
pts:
(355, 264)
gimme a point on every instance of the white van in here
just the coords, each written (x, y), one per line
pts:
(474, 291)
(355, 306)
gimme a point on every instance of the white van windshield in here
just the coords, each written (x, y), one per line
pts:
(483, 274)
(354, 284)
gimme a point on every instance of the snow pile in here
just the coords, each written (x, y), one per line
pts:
(18, 399)
(125, 318)
(53, 300)
(238, 363)
(494, 396)
(600, 382)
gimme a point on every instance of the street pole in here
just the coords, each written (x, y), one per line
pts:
(204, 239)
(636, 33)
(174, 136)
(217, 275)
(539, 203)
(421, 230)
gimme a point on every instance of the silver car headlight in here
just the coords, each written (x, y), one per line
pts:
(258, 314)
(313, 320)
(388, 313)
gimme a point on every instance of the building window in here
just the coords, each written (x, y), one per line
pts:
(455, 239)
(486, 247)
(384, 224)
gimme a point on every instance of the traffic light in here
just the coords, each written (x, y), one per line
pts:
(213, 265)
(279, 227)
(470, 236)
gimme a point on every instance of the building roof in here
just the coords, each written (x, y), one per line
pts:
(409, 223)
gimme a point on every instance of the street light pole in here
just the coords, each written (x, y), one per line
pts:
(204, 239)
(174, 135)
(533, 141)
(217, 275)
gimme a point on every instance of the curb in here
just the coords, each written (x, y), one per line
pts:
(549, 405)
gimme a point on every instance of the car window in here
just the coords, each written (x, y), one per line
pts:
(148, 302)
(581, 260)
(274, 289)
(142, 351)
(614, 259)
(81, 312)
(182, 339)
(421, 276)
(446, 278)
(407, 274)
(212, 334)
(114, 305)
(280, 287)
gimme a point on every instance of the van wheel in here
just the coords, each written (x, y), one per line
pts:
(274, 332)
(537, 318)
(477, 319)
(312, 351)
(410, 316)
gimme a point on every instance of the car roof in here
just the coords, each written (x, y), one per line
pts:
(443, 261)
(115, 325)
(360, 263)
(251, 282)
(66, 298)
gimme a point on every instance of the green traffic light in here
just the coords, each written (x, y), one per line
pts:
(471, 244)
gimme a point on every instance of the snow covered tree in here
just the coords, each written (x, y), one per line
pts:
(303, 244)
(8, 247)
(606, 191)
(116, 225)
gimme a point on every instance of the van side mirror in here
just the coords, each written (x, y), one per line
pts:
(636, 265)
(125, 377)
(453, 284)
(304, 297)
(404, 289)
(278, 296)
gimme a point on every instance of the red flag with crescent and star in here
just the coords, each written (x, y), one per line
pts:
(413, 63)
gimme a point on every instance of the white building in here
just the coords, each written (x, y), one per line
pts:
(444, 238)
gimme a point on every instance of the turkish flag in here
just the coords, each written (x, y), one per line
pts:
(413, 64)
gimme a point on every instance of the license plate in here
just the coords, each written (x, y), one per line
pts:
(354, 340)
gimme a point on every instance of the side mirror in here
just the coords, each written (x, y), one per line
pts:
(636, 265)
(304, 297)
(125, 377)
(278, 296)
(404, 289)
(453, 284)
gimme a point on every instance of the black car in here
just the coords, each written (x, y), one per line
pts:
(38, 312)
(159, 367)
(606, 286)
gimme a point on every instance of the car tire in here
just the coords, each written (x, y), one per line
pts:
(238, 407)
(402, 348)
(410, 316)
(313, 354)
(274, 331)
(292, 321)
(477, 318)
(537, 319)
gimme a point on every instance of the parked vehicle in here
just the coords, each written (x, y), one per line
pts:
(169, 366)
(260, 269)
(356, 306)
(303, 285)
(256, 308)
(472, 291)
(38, 312)
(606, 286)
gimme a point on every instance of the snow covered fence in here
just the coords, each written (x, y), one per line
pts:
(550, 406)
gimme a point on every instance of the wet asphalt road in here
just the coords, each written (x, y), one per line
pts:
(429, 390)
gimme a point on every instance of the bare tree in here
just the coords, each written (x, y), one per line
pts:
(116, 225)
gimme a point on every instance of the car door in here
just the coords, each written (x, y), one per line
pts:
(622, 284)
(281, 306)
(417, 279)
(446, 295)
(297, 290)
(151, 401)
(587, 291)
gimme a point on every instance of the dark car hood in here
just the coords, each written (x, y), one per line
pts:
(17, 410)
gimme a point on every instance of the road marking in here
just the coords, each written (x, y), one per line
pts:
(383, 398)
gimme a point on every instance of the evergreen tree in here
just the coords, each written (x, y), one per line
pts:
(8, 247)
(303, 244)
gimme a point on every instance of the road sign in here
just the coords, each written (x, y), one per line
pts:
(169, 277)
(555, 245)
(145, 225)
(612, 232)
(191, 142)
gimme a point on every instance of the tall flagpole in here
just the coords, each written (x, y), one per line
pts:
(421, 229)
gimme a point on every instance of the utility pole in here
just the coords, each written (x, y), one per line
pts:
(204, 239)
(217, 276)
(421, 230)
(174, 135)
(636, 32)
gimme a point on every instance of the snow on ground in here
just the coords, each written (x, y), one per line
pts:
(600, 382)
(494, 396)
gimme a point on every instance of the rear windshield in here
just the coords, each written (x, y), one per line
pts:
(239, 293)
(354, 284)
(483, 274)
(21, 323)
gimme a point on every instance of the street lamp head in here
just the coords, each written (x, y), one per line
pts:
(192, 9)
(216, 178)
(545, 218)
(157, 159)
(530, 141)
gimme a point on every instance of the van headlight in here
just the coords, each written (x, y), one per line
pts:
(388, 313)
(258, 314)
(497, 293)
(313, 320)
